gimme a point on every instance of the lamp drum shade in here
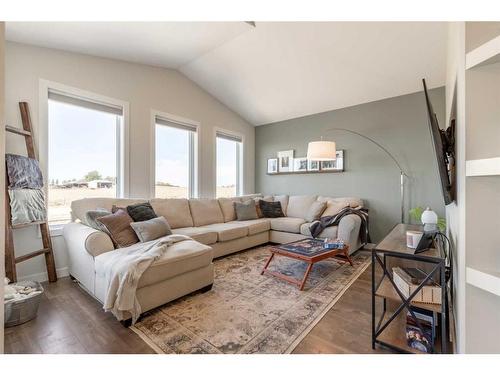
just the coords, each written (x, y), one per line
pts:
(321, 150)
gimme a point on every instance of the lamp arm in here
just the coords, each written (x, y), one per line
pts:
(374, 142)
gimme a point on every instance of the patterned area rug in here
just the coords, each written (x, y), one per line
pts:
(249, 313)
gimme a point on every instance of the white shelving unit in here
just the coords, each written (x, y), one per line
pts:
(487, 53)
(482, 167)
(484, 279)
(482, 193)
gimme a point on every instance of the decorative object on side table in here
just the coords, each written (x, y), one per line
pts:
(272, 166)
(285, 161)
(417, 212)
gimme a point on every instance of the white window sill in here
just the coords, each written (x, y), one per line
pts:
(56, 230)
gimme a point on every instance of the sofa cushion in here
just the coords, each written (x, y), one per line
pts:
(329, 232)
(228, 231)
(250, 196)
(141, 211)
(283, 199)
(349, 201)
(255, 226)
(227, 208)
(175, 210)
(149, 230)
(200, 234)
(205, 212)
(315, 211)
(287, 224)
(246, 210)
(298, 205)
(180, 258)
(119, 229)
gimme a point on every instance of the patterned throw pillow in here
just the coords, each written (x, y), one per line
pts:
(119, 229)
(271, 209)
(141, 212)
(245, 210)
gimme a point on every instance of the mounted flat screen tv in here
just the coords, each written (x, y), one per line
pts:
(443, 142)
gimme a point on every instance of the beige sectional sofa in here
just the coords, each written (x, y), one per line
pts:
(215, 232)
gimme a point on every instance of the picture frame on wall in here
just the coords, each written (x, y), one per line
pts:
(272, 165)
(334, 165)
(313, 165)
(285, 161)
(300, 165)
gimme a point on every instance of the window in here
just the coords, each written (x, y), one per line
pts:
(175, 159)
(84, 152)
(229, 151)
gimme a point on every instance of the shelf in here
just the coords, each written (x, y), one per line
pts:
(482, 167)
(395, 335)
(386, 290)
(487, 53)
(484, 279)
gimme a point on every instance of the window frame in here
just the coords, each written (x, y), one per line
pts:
(194, 151)
(240, 160)
(43, 137)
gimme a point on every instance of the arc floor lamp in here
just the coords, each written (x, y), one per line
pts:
(326, 150)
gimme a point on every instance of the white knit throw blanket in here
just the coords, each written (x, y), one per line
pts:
(124, 267)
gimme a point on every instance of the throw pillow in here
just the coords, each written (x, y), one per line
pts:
(149, 230)
(141, 212)
(257, 206)
(92, 216)
(333, 208)
(315, 211)
(245, 210)
(119, 229)
(271, 209)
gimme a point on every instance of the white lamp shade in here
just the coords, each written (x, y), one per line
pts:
(321, 150)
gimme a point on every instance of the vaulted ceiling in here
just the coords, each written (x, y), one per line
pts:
(273, 71)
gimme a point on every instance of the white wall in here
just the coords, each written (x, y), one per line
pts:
(2, 178)
(455, 212)
(144, 88)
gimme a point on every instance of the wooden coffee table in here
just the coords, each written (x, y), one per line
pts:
(310, 251)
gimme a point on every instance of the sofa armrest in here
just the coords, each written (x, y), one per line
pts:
(83, 237)
(348, 231)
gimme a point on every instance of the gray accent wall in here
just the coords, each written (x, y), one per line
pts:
(399, 124)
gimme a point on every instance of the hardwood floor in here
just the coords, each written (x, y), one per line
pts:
(71, 321)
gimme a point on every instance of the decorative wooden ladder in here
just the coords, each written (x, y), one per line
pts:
(10, 258)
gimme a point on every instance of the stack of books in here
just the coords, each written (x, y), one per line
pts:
(408, 279)
(421, 339)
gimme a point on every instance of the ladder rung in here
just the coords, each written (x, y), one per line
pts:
(31, 255)
(17, 226)
(19, 131)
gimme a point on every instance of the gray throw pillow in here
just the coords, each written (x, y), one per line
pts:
(315, 211)
(152, 229)
(245, 210)
(92, 216)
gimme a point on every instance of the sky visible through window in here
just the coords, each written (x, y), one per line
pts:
(80, 140)
(226, 162)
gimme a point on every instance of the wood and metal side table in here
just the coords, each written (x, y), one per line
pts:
(391, 332)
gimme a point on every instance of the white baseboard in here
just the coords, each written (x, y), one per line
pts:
(43, 276)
